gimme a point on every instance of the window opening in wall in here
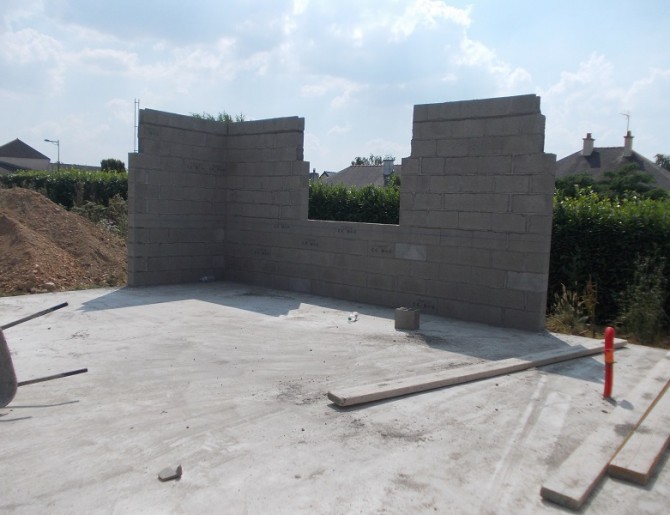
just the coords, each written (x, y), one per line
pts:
(367, 191)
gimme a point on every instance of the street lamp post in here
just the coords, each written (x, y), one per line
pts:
(57, 143)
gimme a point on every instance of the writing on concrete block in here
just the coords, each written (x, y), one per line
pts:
(381, 250)
(346, 230)
(309, 242)
(426, 305)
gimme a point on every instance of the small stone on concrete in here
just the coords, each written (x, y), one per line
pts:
(169, 473)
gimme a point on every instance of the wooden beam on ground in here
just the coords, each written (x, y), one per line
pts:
(397, 387)
(639, 456)
(574, 480)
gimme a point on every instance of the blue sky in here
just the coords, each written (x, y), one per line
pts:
(71, 69)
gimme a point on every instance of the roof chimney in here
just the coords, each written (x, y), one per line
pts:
(628, 145)
(387, 166)
(588, 145)
(387, 169)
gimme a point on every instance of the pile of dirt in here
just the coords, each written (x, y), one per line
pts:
(44, 247)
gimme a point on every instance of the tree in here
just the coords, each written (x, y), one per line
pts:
(113, 165)
(222, 117)
(372, 160)
(663, 160)
(627, 179)
(570, 185)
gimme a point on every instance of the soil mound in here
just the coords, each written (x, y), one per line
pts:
(44, 247)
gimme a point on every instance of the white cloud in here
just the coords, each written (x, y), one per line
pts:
(352, 68)
(28, 46)
(340, 90)
(476, 54)
(107, 61)
(122, 109)
(654, 78)
(596, 70)
(592, 98)
(385, 147)
(339, 129)
(427, 13)
(300, 6)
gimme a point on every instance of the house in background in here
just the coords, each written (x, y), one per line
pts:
(362, 175)
(17, 155)
(595, 161)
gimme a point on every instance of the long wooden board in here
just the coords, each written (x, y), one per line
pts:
(397, 387)
(574, 480)
(639, 456)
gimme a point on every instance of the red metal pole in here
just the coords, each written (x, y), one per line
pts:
(609, 361)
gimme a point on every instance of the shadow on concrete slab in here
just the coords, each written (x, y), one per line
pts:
(454, 337)
(45, 405)
(248, 298)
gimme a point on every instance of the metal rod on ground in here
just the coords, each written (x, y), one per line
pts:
(34, 315)
(55, 376)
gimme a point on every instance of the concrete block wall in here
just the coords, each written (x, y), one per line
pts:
(176, 200)
(478, 173)
(475, 221)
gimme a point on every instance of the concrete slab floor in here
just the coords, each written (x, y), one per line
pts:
(230, 381)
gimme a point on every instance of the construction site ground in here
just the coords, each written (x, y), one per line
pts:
(230, 381)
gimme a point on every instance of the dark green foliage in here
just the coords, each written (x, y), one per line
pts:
(571, 185)
(222, 117)
(605, 239)
(71, 187)
(113, 217)
(641, 313)
(627, 180)
(371, 204)
(363, 161)
(663, 160)
(113, 165)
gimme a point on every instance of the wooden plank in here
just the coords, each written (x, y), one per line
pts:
(574, 480)
(639, 456)
(397, 387)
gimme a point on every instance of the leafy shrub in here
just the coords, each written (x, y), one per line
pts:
(606, 239)
(112, 165)
(568, 313)
(371, 204)
(113, 217)
(642, 313)
(71, 187)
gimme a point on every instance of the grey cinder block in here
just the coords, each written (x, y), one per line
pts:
(407, 319)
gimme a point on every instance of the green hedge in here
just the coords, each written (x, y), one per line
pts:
(606, 239)
(71, 187)
(593, 237)
(371, 204)
(601, 238)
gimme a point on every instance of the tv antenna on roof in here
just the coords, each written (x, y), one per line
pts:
(627, 115)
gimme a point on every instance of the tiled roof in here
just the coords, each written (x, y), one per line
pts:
(18, 149)
(360, 175)
(609, 159)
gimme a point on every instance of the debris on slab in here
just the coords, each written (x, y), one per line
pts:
(170, 473)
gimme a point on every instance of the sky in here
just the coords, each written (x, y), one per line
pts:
(71, 70)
